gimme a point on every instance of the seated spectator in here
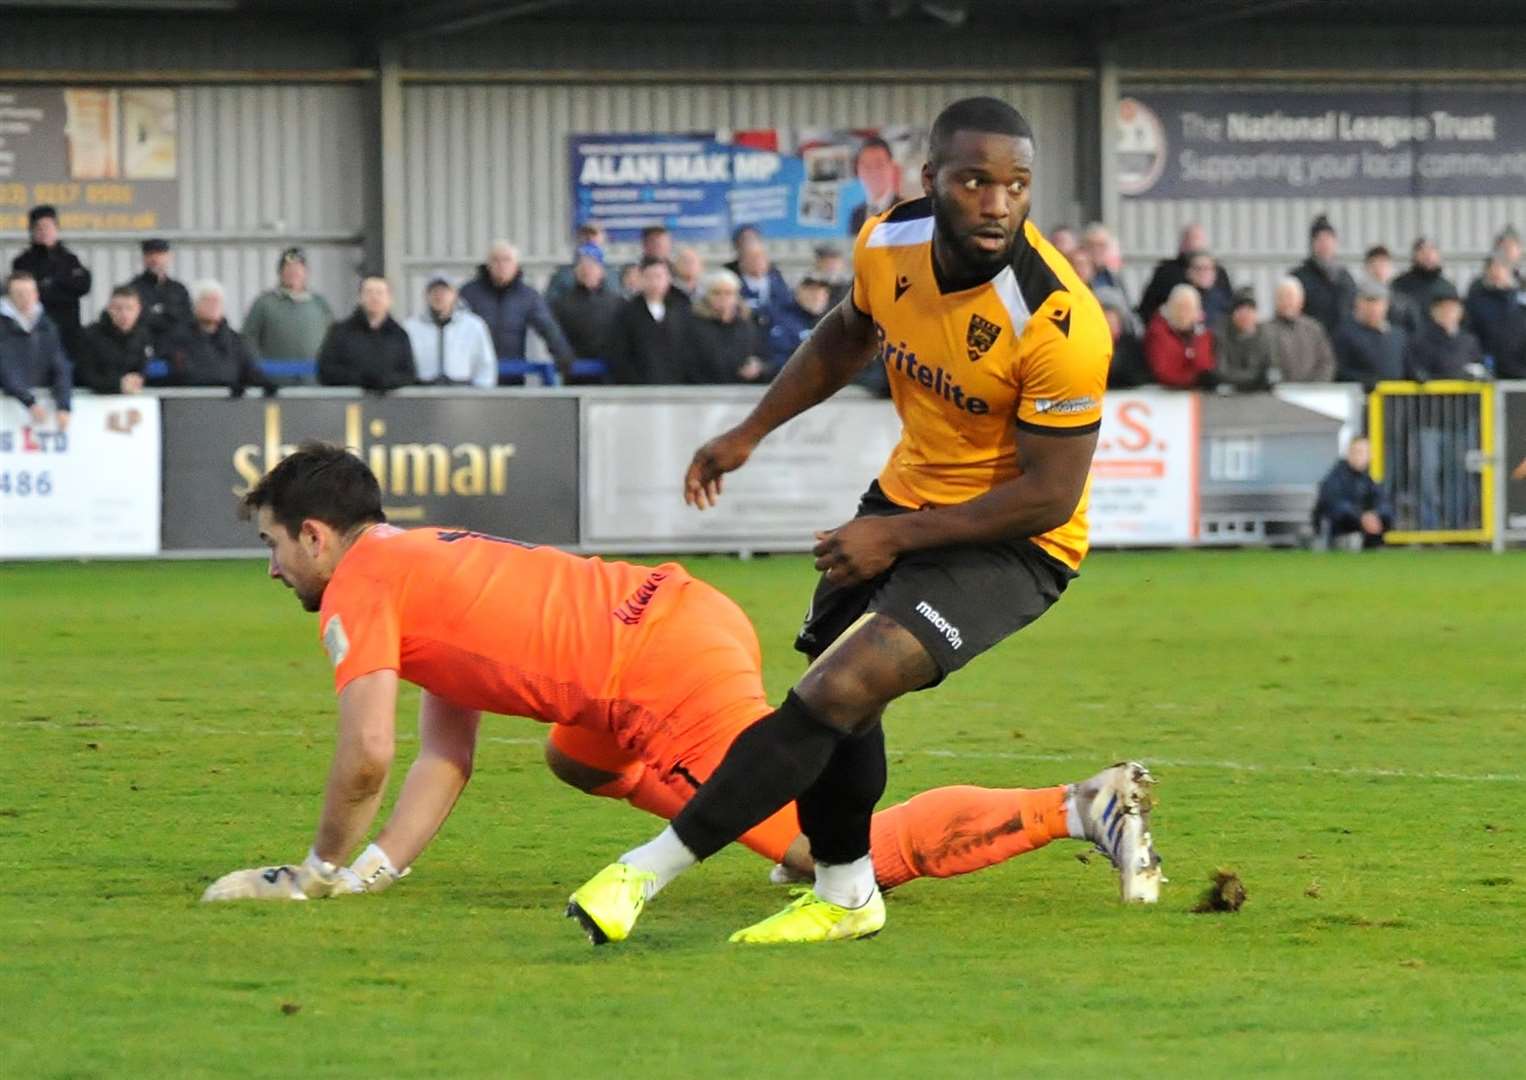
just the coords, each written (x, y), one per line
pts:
(166, 303)
(1245, 357)
(650, 341)
(501, 297)
(1300, 349)
(1063, 239)
(1378, 266)
(794, 322)
(209, 353)
(62, 280)
(1424, 279)
(1169, 273)
(1368, 348)
(114, 351)
(831, 267)
(451, 345)
(1081, 263)
(1328, 288)
(561, 281)
(1443, 349)
(1350, 503)
(1178, 348)
(688, 272)
(32, 352)
(589, 311)
(1107, 262)
(724, 345)
(288, 322)
(1203, 275)
(369, 349)
(763, 287)
(1128, 368)
(1496, 309)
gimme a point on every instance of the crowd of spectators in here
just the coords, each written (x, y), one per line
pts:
(666, 318)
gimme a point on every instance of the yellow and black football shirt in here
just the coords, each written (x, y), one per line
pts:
(1029, 348)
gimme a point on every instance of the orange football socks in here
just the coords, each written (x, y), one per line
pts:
(957, 830)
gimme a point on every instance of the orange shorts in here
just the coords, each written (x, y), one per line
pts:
(692, 687)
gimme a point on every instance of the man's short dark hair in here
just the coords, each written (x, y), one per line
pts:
(651, 260)
(1377, 251)
(741, 231)
(653, 230)
(320, 481)
(587, 229)
(984, 114)
(124, 290)
(19, 275)
(873, 142)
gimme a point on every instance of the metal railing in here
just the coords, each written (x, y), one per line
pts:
(1433, 448)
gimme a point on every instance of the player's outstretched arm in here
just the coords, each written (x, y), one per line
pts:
(837, 349)
(447, 745)
(357, 777)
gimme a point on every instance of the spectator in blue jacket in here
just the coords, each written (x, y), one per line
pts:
(794, 322)
(1351, 503)
(503, 299)
(763, 287)
(32, 352)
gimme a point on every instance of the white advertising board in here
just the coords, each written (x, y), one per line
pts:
(92, 490)
(806, 476)
(1144, 475)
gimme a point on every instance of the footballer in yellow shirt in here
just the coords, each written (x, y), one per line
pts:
(997, 357)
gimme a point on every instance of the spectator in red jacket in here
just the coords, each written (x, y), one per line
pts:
(1178, 348)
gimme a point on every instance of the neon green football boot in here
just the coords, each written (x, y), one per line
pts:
(608, 905)
(811, 918)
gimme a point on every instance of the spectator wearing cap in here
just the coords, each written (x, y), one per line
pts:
(763, 287)
(166, 303)
(1244, 355)
(32, 352)
(1300, 348)
(1378, 266)
(688, 272)
(208, 352)
(1496, 309)
(1172, 272)
(451, 346)
(288, 322)
(1329, 291)
(369, 349)
(588, 312)
(830, 266)
(1177, 346)
(794, 322)
(878, 174)
(62, 280)
(724, 343)
(114, 351)
(1443, 349)
(560, 284)
(1369, 349)
(1424, 279)
(503, 299)
(649, 345)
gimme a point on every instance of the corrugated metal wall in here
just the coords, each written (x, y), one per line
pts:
(261, 168)
(486, 161)
(40, 41)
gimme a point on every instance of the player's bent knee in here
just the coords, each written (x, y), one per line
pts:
(571, 771)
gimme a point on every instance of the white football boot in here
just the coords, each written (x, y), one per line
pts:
(1114, 809)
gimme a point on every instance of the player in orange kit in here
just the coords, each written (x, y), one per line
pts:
(647, 674)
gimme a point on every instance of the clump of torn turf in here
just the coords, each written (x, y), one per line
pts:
(1225, 893)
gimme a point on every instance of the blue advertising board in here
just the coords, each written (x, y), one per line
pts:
(1289, 142)
(795, 185)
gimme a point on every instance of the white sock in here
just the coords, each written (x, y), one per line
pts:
(665, 856)
(1073, 820)
(849, 885)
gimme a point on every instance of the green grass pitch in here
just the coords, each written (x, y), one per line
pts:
(1345, 732)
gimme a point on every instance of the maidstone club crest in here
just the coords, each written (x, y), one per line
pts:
(981, 335)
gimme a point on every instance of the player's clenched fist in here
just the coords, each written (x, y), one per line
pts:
(861, 550)
(721, 455)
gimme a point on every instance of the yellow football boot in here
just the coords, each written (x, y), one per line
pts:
(609, 903)
(811, 918)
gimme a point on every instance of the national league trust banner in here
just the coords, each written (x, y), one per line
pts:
(1144, 474)
(91, 490)
(1230, 143)
(806, 184)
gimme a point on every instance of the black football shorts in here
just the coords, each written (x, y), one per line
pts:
(958, 601)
